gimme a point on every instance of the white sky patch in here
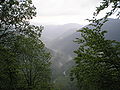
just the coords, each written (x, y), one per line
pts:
(59, 20)
(64, 11)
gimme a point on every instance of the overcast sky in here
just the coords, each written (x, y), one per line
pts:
(64, 11)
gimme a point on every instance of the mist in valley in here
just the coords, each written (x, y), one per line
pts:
(60, 40)
(59, 44)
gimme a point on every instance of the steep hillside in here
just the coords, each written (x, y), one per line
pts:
(52, 32)
(113, 28)
(67, 45)
(62, 52)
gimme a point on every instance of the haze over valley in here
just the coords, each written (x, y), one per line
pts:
(59, 44)
(60, 40)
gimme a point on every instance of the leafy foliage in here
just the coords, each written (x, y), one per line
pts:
(97, 62)
(98, 59)
(14, 16)
(34, 63)
(115, 4)
(24, 60)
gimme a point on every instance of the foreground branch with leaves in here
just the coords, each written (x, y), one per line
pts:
(24, 59)
(98, 59)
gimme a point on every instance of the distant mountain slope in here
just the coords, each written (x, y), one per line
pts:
(51, 32)
(113, 28)
(67, 45)
(62, 52)
(54, 31)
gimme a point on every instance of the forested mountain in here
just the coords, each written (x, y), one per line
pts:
(113, 28)
(67, 45)
(53, 32)
(62, 50)
(38, 54)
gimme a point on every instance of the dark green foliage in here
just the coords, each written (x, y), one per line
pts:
(8, 64)
(115, 4)
(98, 59)
(25, 65)
(14, 16)
(8, 69)
(34, 63)
(24, 60)
(97, 62)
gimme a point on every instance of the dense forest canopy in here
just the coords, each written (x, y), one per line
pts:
(98, 59)
(24, 59)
